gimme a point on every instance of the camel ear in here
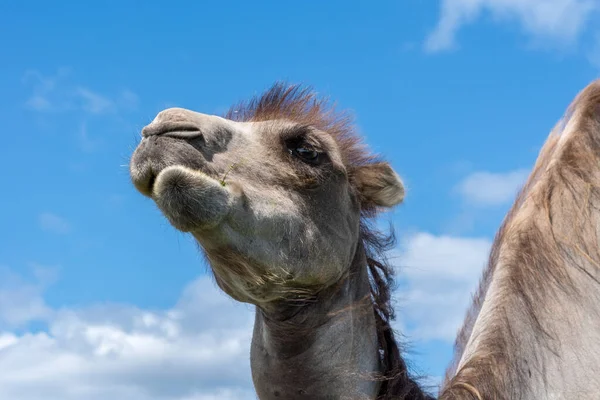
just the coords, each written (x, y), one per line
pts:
(378, 185)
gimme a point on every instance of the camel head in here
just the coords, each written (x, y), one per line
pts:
(274, 192)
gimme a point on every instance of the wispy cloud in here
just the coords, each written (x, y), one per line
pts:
(197, 350)
(128, 100)
(93, 102)
(556, 21)
(39, 103)
(86, 142)
(43, 88)
(491, 189)
(54, 223)
(593, 54)
(55, 93)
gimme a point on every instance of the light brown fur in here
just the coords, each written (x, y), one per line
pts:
(545, 267)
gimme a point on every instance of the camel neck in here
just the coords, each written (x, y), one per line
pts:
(325, 349)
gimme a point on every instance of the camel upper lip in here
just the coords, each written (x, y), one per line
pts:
(144, 177)
(162, 146)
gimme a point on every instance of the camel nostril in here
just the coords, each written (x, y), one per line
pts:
(175, 130)
(189, 135)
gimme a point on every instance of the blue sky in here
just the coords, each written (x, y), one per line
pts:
(101, 298)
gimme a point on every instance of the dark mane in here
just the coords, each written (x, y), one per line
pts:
(301, 105)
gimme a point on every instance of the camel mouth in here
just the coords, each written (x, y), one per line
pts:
(181, 183)
(155, 153)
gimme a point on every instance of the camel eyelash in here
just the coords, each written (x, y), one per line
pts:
(301, 135)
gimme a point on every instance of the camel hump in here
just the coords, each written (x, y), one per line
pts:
(587, 102)
(574, 143)
(583, 115)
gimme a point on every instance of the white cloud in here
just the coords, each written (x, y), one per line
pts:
(21, 301)
(54, 223)
(491, 189)
(197, 350)
(56, 94)
(438, 275)
(558, 21)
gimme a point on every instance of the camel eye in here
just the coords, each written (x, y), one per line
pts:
(300, 148)
(307, 154)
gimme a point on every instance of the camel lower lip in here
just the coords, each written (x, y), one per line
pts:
(190, 199)
(155, 177)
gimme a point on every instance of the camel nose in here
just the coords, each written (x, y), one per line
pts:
(177, 122)
(210, 132)
(181, 123)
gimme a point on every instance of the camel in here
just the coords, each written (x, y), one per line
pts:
(281, 195)
(533, 331)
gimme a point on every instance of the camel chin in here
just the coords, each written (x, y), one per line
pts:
(190, 199)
